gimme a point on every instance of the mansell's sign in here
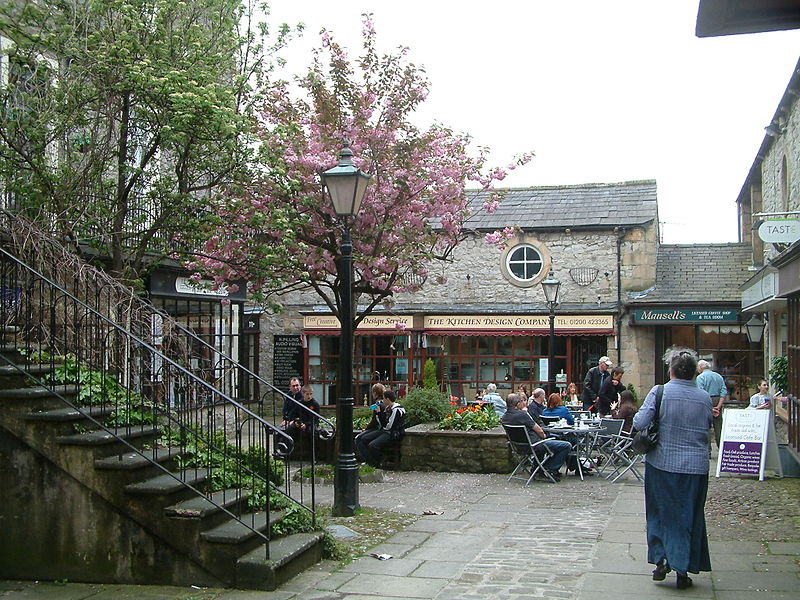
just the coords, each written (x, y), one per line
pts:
(685, 315)
(780, 231)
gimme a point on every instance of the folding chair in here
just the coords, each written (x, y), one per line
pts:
(531, 455)
(624, 459)
(607, 439)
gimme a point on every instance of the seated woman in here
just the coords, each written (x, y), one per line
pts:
(571, 395)
(626, 409)
(554, 409)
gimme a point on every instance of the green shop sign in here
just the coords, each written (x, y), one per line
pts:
(686, 315)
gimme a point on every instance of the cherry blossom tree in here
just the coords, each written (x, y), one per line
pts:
(282, 235)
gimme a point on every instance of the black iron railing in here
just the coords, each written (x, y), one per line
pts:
(139, 363)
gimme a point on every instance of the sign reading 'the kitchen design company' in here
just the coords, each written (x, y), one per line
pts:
(685, 315)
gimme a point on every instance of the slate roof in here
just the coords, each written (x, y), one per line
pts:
(589, 205)
(698, 273)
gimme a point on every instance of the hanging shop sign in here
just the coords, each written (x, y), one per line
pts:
(780, 231)
(165, 283)
(518, 322)
(371, 322)
(673, 316)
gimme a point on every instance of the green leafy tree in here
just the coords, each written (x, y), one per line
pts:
(429, 375)
(121, 119)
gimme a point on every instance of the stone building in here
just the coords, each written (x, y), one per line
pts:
(769, 222)
(489, 322)
(695, 303)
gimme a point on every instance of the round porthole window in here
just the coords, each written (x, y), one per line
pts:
(524, 263)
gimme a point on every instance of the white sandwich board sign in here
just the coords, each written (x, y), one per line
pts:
(748, 443)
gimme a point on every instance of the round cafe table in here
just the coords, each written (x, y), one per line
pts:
(585, 437)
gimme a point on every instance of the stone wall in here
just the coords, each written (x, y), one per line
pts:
(427, 449)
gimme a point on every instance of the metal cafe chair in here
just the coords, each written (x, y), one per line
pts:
(623, 460)
(531, 455)
(607, 439)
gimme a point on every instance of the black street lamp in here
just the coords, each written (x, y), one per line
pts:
(345, 185)
(550, 287)
(755, 328)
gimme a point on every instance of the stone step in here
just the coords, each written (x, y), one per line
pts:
(67, 414)
(13, 377)
(288, 556)
(164, 485)
(201, 507)
(36, 392)
(100, 437)
(235, 532)
(131, 461)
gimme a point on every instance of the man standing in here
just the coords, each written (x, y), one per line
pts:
(517, 415)
(712, 382)
(536, 406)
(594, 382)
(290, 409)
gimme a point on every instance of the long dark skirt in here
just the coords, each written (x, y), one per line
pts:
(676, 522)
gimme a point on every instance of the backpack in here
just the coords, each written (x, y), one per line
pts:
(399, 426)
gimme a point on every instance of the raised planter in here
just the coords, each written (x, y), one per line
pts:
(425, 448)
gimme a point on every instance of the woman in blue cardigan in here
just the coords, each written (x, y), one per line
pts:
(554, 409)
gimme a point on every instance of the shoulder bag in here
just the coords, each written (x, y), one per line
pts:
(645, 440)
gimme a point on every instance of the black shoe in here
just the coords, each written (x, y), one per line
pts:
(683, 582)
(661, 570)
(555, 475)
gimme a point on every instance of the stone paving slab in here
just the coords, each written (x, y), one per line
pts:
(499, 541)
(393, 566)
(792, 548)
(394, 587)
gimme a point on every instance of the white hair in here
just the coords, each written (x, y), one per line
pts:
(491, 388)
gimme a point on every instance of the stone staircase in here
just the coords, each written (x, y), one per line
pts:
(90, 504)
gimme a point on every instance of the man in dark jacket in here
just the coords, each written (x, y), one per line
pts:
(517, 415)
(291, 411)
(594, 381)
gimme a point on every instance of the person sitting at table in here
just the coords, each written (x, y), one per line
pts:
(626, 409)
(492, 396)
(536, 404)
(522, 392)
(571, 396)
(517, 415)
(554, 409)
(610, 391)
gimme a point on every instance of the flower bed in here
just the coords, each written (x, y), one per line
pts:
(425, 448)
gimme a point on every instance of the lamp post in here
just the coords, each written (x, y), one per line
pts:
(345, 185)
(550, 287)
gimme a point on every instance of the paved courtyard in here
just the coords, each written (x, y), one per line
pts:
(500, 540)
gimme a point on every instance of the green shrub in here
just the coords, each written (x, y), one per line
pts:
(429, 375)
(632, 390)
(779, 373)
(425, 406)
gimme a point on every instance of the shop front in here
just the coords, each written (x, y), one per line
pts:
(469, 351)
(717, 333)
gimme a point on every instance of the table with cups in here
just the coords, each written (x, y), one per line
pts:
(584, 432)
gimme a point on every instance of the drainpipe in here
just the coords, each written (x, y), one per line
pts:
(620, 234)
